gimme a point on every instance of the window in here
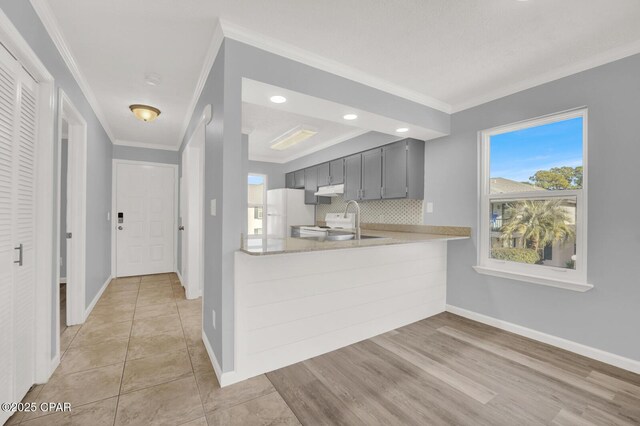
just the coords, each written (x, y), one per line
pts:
(533, 201)
(257, 186)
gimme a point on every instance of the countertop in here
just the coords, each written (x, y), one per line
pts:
(271, 246)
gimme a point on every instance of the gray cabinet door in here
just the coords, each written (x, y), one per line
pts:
(371, 174)
(323, 175)
(290, 180)
(352, 177)
(394, 170)
(310, 185)
(336, 171)
(299, 179)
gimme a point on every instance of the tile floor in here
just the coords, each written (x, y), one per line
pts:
(139, 360)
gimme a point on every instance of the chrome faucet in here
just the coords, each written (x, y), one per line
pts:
(357, 216)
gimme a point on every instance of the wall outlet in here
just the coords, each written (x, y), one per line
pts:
(429, 207)
(213, 207)
(213, 316)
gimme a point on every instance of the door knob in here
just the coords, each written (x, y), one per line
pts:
(181, 228)
(120, 228)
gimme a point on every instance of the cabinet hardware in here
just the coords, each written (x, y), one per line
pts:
(19, 248)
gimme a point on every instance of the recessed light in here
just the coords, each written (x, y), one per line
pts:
(350, 116)
(277, 99)
(402, 129)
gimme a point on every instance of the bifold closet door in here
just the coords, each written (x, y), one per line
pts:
(18, 127)
(8, 114)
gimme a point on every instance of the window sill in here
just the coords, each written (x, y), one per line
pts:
(534, 279)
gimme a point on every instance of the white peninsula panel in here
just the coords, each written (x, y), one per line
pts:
(294, 306)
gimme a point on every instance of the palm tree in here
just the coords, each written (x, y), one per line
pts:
(539, 221)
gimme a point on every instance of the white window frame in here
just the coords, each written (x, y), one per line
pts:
(538, 274)
(263, 205)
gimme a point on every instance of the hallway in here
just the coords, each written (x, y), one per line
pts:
(139, 360)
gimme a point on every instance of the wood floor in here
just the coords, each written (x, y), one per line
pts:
(139, 360)
(447, 370)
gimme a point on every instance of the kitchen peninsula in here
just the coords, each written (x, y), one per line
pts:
(299, 298)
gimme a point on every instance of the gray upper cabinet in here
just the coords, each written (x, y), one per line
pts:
(371, 174)
(290, 180)
(324, 175)
(415, 169)
(311, 187)
(352, 177)
(298, 179)
(390, 172)
(394, 170)
(336, 171)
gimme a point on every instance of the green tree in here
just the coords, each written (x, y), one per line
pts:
(541, 222)
(558, 178)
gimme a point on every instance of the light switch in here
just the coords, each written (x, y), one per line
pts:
(213, 207)
(108, 216)
(213, 316)
(429, 207)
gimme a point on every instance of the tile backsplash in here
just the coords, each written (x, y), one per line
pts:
(378, 211)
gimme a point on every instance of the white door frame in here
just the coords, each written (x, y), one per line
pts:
(46, 359)
(76, 212)
(193, 264)
(114, 213)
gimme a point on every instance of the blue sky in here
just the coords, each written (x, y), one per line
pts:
(255, 180)
(518, 155)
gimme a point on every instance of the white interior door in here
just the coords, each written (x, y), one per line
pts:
(192, 242)
(18, 134)
(145, 218)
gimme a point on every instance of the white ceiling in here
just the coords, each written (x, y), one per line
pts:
(264, 121)
(264, 124)
(447, 54)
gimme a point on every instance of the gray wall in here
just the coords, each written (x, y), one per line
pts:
(99, 152)
(606, 317)
(273, 171)
(64, 159)
(224, 162)
(121, 152)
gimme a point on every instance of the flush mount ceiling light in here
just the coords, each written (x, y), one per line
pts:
(292, 137)
(402, 129)
(350, 116)
(144, 112)
(277, 99)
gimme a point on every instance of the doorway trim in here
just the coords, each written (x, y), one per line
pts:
(193, 157)
(46, 357)
(114, 213)
(76, 211)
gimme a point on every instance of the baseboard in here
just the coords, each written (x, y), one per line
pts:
(63, 280)
(89, 308)
(571, 346)
(55, 362)
(225, 379)
(189, 296)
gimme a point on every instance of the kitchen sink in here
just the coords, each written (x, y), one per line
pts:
(345, 236)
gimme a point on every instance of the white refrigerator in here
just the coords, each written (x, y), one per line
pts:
(286, 208)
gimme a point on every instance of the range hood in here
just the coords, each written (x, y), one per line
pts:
(330, 191)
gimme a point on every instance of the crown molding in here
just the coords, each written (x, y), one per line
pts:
(294, 53)
(134, 144)
(209, 58)
(593, 62)
(44, 12)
